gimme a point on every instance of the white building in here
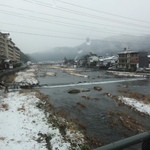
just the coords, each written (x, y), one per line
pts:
(108, 61)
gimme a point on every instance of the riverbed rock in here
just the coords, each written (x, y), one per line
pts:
(97, 88)
(85, 90)
(74, 91)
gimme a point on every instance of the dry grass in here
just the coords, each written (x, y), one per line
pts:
(41, 96)
(10, 78)
(94, 142)
(23, 92)
(81, 104)
(138, 96)
(21, 108)
(123, 119)
(2, 138)
(4, 106)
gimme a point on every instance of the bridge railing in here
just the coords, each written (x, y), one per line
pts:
(143, 138)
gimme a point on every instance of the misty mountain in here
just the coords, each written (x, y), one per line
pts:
(25, 57)
(106, 47)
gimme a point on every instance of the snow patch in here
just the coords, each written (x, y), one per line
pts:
(138, 105)
(26, 78)
(127, 74)
(21, 123)
(50, 73)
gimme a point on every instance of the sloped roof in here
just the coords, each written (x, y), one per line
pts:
(128, 52)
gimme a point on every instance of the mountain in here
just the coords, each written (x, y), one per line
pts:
(25, 57)
(108, 46)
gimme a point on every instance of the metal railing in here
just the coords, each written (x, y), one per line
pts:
(143, 138)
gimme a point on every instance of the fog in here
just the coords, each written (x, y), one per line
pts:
(39, 25)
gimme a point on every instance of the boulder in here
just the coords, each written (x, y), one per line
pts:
(97, 88)
(74, 91)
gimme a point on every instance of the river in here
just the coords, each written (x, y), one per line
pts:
(91, 108)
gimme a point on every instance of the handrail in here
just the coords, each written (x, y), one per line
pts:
(126, 142)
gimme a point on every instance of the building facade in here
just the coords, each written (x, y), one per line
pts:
(130, 60)
(106, 62)
(8, 50)
(3, 52)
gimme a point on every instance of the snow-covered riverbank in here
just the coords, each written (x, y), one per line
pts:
(27, 77)
(138, 105)
(24, 126)
(28, 123)
(128, 74)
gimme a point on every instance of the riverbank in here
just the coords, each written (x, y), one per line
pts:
(129, 74)
(28, 120)
(11, 71)
(91, 108)
(26, 123)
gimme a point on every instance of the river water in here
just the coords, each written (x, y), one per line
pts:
(95, 114)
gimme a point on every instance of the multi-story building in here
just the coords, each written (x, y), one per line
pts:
(8, 50)
(130, 60)
(3, 52)
(17, 54)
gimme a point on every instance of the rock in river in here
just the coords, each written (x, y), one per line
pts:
(74, 91)
(98, 88)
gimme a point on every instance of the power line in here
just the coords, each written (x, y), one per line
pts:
(46, 35)
(66, 18)
(64, 37)
(100, 11)
(95, 29)
(84, 14)
(37, 28)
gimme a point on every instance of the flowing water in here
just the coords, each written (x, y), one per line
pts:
(95, 114)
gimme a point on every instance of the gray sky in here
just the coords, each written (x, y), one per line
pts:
(39, 25)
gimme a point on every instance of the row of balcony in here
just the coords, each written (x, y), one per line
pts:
(8, 47)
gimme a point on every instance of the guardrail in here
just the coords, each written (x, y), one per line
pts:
(143, 138)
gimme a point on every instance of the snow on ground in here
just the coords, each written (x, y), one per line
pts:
(31, 70)
(26, 78)
(27, 73)
(138, 105)
(68, 69)
(21, 124)
(77, 74)
(50, 74)
(127, 74)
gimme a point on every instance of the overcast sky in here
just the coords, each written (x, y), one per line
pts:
(39, 25)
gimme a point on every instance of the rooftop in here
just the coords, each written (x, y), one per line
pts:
(128, 52)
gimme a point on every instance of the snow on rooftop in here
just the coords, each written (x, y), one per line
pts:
(21, 123)
(108, 58)
(127, 52)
